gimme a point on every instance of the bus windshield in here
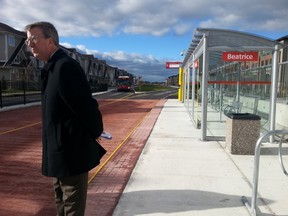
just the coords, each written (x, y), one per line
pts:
(124, 83)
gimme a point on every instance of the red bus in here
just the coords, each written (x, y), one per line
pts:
(124, 83)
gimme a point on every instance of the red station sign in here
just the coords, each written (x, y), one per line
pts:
(240, 56)
(173, 65)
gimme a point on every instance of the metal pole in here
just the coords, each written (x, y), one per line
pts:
(204, 88)
(252, 208)
(1, 105)
(188, 89)
(24, 91)
(193, 89)
(274, 88)
(238, 83)
(184, 86)
(221, 100)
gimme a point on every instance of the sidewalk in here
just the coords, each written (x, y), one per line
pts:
(178, 174)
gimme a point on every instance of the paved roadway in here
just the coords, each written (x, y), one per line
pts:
(154, 95)
(24, 191)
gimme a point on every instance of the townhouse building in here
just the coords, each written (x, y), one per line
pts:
(17, 63)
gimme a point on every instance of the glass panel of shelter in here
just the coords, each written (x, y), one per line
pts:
(238, 88)
(193, 94)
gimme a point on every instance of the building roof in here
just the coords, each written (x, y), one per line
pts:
(284, 38)
(6, 28)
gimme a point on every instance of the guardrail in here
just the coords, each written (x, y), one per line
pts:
(252, 208)
(22, 92)
(19, 92)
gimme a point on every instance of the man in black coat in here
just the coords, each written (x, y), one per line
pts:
(71, 121)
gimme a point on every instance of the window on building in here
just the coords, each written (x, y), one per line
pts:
(11, 40)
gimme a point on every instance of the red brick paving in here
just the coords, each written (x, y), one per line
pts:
(24, 191)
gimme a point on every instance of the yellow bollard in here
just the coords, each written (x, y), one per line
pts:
(180, 90)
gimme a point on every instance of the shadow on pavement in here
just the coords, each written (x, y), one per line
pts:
(173, 201)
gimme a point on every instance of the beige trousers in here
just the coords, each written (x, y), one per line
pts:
(71, 194)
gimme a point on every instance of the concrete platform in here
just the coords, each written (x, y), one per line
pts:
(178, 174)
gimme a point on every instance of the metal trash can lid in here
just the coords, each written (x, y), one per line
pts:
(243, 116)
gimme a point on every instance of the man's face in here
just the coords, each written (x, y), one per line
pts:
(38, 44)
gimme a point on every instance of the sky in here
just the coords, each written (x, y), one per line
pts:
(140, 36)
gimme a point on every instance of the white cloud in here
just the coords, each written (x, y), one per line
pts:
(99, 17)
(149, 17)
(146, 66)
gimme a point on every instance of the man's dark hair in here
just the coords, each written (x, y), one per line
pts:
(48, 30)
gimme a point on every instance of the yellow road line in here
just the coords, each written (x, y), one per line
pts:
(110, 156)
(30, 125)
(116, 100)
(20, 128)
(118, 147)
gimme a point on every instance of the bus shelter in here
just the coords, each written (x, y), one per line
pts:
(221, 73)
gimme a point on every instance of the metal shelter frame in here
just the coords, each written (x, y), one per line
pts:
(209, 43)
(252, 206)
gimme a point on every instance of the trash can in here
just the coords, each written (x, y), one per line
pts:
(242, 133)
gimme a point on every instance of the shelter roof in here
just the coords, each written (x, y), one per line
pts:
(220, 40)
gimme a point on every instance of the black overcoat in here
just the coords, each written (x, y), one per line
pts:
(71, 119)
